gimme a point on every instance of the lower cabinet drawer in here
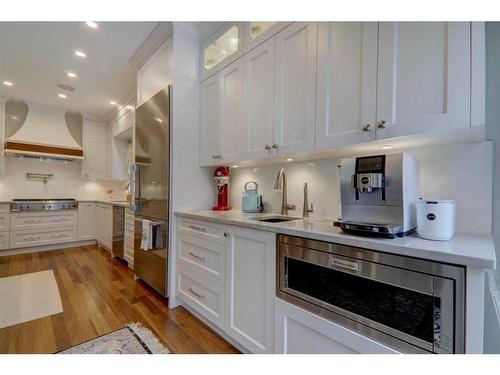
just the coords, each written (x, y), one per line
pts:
(202, 295)
(42, 220)
(4, 221)
(41, 237)
(4, 241)
(203, 257)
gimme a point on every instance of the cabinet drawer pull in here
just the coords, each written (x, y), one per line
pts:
(381, 124)
(59, 220)
(199, 229)
(57, 236)
(200, 296)
(31, 238)
(197, 256)
(267, 147)
(275, 145)
(31, 221)
(365, 128)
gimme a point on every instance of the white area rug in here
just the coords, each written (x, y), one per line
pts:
(133, 339)
(28, 297)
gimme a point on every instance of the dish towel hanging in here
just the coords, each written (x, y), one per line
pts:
(147, 235)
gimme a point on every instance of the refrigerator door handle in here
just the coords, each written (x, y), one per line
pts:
(135, 201)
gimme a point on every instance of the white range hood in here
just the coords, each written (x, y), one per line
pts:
(39, 130)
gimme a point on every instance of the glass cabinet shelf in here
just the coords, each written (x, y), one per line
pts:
(259, 27)
(221, 48)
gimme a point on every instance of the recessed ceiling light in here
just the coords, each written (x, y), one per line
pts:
(71, 75)
(235, 166)
(80, 54)
(289, 159)
(388, 147)
(92, 24)
(112, 102)
(159, 120)
(8, 83)
(62, 96)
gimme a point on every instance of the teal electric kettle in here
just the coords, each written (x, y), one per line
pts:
(252, 200)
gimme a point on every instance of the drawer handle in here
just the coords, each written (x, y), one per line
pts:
(200, 296)
(197, 256)
(31, 238)
(199, 229)
(59, 220)
(31, 221)
(57, 236)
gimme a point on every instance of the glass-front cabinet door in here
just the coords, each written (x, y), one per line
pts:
(257, 32)
(221, 49)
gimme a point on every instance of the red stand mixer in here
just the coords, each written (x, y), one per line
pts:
(221, 177)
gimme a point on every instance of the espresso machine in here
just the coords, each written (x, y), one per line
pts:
(379, 195)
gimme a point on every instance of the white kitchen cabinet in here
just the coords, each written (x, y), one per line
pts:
(222, 115)
(257, 32)
(86, 221)
(124, 121)
(250, 287)
(258, 128)
(227, 274)
(423, 77)
(347, 83)
(104, 223)
(295, 88)
(301, 332)
(156, 73)
(221, 49)
(96, 150)
(209, 120)
(231, 112)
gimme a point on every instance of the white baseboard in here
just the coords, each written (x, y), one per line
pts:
(37, 249)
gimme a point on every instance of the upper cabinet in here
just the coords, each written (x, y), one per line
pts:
(96, 150)
(420, 83)
(347, 83)
(257, 32)
(423, 77)
(221, 49)
(258, 94)
(295, 88)
(313, 86)
(221, 101)
(156, 73)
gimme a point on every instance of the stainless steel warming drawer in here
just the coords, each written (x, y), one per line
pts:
(412, 305)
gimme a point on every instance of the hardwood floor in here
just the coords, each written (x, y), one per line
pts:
(100, 295)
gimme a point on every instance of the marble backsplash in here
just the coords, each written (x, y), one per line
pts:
(462, 172)
(66, 182)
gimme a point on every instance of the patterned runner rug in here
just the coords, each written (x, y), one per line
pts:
(132, 339)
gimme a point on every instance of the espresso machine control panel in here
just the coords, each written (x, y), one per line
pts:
(369, 174)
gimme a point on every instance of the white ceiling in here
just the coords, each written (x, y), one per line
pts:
(36, 56)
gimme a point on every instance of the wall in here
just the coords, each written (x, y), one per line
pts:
(191, 185)
(462, 172)
(66, 183)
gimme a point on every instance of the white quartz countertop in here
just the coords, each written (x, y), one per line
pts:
(462, 249)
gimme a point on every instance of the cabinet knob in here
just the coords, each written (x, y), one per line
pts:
(226, 234)
(267, 147)
(381, 124)
(365, 128)
(275, 145)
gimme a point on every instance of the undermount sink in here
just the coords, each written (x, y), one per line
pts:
(275, 218)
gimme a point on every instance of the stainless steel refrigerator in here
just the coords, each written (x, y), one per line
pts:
(150, 187)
